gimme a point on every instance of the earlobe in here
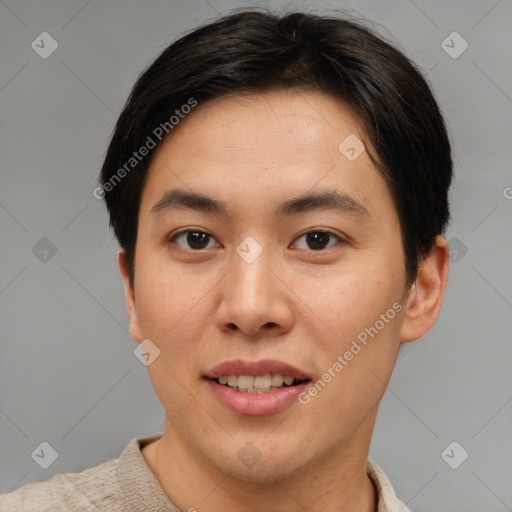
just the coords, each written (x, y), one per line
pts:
(427, 292)
(129, 296)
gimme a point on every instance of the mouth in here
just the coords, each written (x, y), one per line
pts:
(257, 388)
(258, 384)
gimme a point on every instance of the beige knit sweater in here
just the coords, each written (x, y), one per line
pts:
(127, 484)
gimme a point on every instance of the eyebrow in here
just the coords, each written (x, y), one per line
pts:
(329, 199)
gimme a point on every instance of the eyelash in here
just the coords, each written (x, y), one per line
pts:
(186, 231)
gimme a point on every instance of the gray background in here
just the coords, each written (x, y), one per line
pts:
(68, 375)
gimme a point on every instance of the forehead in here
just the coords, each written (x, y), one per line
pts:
(273, 145)
(291, 122)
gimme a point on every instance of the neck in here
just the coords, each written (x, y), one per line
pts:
(335, 483)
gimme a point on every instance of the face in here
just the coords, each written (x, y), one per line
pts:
(290, 261)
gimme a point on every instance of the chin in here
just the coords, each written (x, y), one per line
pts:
(259, 462)
(263, 473)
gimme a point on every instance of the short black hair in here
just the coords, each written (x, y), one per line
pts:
(255, 51)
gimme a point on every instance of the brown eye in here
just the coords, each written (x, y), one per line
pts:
(318, 240)
(195, 239)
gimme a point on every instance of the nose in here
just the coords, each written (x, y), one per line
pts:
(255, 298)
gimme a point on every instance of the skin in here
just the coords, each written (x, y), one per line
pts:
(293, 303)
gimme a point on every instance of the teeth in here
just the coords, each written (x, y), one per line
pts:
(262, 381)
(245, 382)
(256, 385)
(277, 380)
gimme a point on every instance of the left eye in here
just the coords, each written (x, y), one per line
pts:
(318, 240)
(195, 239)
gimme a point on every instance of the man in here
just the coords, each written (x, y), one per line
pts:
(278, 186)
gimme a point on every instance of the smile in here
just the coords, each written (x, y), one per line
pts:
(258, 384)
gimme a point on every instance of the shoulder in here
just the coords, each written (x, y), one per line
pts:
(68, 491)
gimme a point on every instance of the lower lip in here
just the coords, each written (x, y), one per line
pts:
(254, 404)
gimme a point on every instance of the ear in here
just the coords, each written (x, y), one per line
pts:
(427, 292)
(135, 331)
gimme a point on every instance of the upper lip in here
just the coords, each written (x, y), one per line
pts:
(255, 368)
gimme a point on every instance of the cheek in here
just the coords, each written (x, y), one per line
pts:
(356, 355)
(167, 299)
(343, 303)
(357, 318)
(169, 314)
(172, 315)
